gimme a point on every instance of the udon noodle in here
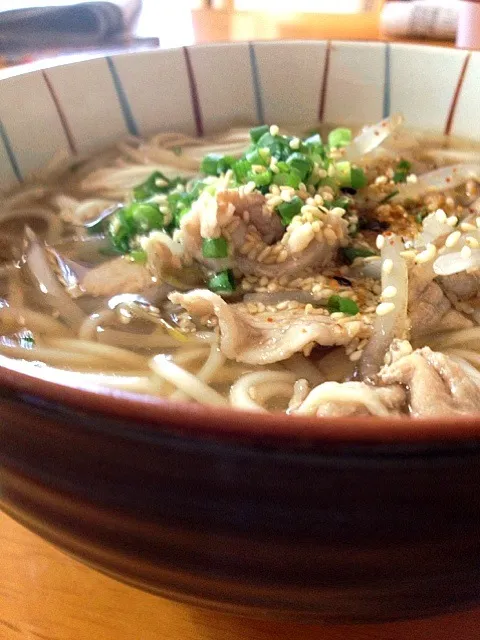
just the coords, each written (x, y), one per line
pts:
(324, 275)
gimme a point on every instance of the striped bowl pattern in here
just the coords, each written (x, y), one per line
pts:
(85, 105)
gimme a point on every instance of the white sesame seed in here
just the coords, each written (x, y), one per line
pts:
(322, 173)
(387, 266)
(440, 215)
(472, 242)
(330, 236)
(285, 195)
(274, 201)
(356, 355)
(294, 143)
(466, 226)
(258, 168)
(452, 221)
(273, 167)
(477, 221)
(452, 239)
(274, 130)
(412, 178)
(427, 254)
(381, 180)
(389, 292)
(337, 315)
(384, 308)
(380, 242)
(337, 211)
(249, 187)
(466, 253)
(310, 202)
(275, 189)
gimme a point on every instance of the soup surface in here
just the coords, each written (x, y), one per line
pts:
(318, 274)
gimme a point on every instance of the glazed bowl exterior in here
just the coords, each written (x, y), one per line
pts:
(333, 520)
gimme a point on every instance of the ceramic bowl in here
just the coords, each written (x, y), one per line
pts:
(333, 520)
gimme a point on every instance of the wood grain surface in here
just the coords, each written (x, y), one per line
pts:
(45, 595)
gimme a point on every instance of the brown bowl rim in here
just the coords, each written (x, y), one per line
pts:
(158, 414)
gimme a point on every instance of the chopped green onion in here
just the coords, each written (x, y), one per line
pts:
(121, 230)
(145, 216)
(287, 210)
(421, 214)
(257, 132)
(389, 196)
(404, 165)
(242, 169)
(401, 171)
(138, 255)
(214, 247)
(157, 182)
(358, 178)
(344, 305)
(222, 281)
(349, 176)
(344, 173)
(290, 179)
(350, 253)
(261, 179)
(257, 156)
(214, 164)
(313, 141)
(277, 145)
(301, 163)
(339, 137)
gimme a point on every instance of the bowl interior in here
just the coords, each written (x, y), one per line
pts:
(81, 107)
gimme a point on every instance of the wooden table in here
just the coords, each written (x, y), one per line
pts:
(44, 595)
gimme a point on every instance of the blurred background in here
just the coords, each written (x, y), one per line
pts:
(33, 29)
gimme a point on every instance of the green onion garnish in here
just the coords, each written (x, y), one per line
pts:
(290, 179)
(156, 183)
(214, 247)
(344, 305)
(349, 176)
(145, 216)
(214, 164)
(287, 210)
(350, 253)
(138, 255)
(257, 132)
(402, 170)
(301, 163)
(339, 137)
(358, 178)
(222, 281)
(389, 196)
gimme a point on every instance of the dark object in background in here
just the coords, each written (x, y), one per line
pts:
(27, 26)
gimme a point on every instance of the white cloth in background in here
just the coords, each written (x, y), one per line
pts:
(435, 19)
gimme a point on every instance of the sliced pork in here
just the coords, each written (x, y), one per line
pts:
(436, 385)
(261, 338)
(116, 276)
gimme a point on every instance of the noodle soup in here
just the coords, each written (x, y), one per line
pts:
(327, 275)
